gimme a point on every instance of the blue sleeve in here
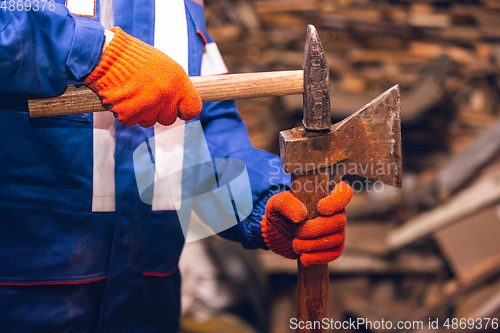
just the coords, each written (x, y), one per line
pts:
(41, 50)
(248, 232)
(227, 136)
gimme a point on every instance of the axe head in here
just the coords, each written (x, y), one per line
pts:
(367, 143)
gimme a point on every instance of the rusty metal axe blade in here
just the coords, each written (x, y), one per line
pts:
(367, 143)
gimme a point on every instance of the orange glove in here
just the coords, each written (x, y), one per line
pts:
(141, 85)
(319, 240)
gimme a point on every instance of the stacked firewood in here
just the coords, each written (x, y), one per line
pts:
(372, 45)
(431, 249)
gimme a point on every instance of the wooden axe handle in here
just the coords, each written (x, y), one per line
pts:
(80, 99)
(313, 282)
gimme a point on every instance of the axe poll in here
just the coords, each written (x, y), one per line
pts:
(318, 155)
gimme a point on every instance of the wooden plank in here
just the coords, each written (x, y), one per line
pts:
(273, 6)
(422, 15)
(470, 118)
(283, 20)
(469, 242)
(361, 14)
(426, 50)
(352, 84)
(350, 263)
(460, 55)
(367, 237)
(483, 193)
(489, 308)
(397, 14)
(247, 15)
(382, 56)
(466, 165)
(482, 302)
(423, 20)
(361, 308)
(460, 34)
(226, 33)
(485, 271)
(402, 264)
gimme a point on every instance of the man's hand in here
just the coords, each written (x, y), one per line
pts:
(141, 85)
(319, 240)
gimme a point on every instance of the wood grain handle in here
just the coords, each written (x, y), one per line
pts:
(80, 99)
(314, 281)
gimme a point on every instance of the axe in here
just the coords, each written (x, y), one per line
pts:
(318, 155)
(367, 143)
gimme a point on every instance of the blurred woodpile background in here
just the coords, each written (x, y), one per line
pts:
(430, 250)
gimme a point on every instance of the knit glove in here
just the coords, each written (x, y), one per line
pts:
(319, 240)
(141, 85)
